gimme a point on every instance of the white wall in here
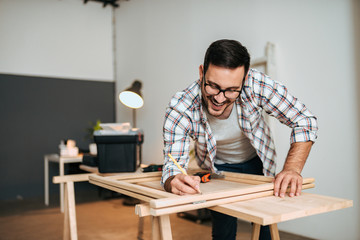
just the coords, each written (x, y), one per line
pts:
(163, 42)
(56, 38)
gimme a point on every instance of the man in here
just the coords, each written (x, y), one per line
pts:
(222, 113)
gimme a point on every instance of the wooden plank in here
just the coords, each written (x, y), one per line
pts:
(141, 180)
(212, 186)
(95, 170)
(240, 190)
(155, 228)
(247, 181)
(244, 176)
(211, 203)
(85, 177)
(89, 169)
(122, 191)
(66, 230)
(72, 178)
(205, 204)
(71, 208)
(142, 210)
(248, 176)
(165, 227)
(282, 209)
(141, 228)
(133, 187)
(123, 176)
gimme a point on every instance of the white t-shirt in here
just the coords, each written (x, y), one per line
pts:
(232, 146)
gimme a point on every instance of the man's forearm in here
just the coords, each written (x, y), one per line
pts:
(291, 173)
(297, 155)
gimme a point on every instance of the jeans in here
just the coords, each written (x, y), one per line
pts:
(224, 227)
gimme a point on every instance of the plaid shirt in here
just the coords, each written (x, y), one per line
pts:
(185, 118)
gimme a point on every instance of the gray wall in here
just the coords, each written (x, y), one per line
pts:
(36, 113)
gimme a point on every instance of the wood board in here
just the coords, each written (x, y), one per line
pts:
(214, 185)
(233, 187)
(271, 209)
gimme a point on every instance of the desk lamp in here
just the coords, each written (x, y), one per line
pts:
(132, 98)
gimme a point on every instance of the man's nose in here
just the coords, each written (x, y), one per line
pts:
(220, 97)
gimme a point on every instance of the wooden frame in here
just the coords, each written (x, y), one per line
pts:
(146, 187)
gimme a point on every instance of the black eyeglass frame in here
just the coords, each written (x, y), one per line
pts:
(220, 90)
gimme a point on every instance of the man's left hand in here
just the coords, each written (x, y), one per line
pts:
(285, 179)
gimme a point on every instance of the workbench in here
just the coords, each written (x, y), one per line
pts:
(247, 197)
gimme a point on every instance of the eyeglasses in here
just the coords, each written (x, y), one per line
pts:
(215, 90)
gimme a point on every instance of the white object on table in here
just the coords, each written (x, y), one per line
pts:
(62, 160)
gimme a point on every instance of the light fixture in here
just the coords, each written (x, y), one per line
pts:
(132, 98)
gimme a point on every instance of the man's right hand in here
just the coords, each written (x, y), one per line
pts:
(182, 184)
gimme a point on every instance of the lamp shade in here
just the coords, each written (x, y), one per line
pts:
(132, 97)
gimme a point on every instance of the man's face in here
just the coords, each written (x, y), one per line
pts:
(225, 79)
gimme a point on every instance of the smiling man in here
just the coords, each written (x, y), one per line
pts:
(222, 113)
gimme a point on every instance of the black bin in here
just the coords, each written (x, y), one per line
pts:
(119, 153)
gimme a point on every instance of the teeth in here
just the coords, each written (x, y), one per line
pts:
(217, 104)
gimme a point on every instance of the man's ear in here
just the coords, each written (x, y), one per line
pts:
(201, 72)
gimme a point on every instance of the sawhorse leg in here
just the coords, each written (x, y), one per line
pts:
(70, 228)
(273, 230)
(161, 227)
(141, 229)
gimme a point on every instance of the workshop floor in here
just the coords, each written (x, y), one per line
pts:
(96, 220)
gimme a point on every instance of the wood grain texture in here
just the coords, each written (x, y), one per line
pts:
(269, 210)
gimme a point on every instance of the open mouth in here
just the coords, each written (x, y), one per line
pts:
(216, 105)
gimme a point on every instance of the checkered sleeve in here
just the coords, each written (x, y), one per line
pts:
(176, 142)
(276, 100)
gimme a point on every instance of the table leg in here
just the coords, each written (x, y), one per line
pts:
(274, 232)
(61, 169)
(46, 180)
(255, 231)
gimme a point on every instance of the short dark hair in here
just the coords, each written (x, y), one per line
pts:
(227, 53)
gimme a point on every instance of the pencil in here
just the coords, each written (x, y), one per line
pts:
(181, 169)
